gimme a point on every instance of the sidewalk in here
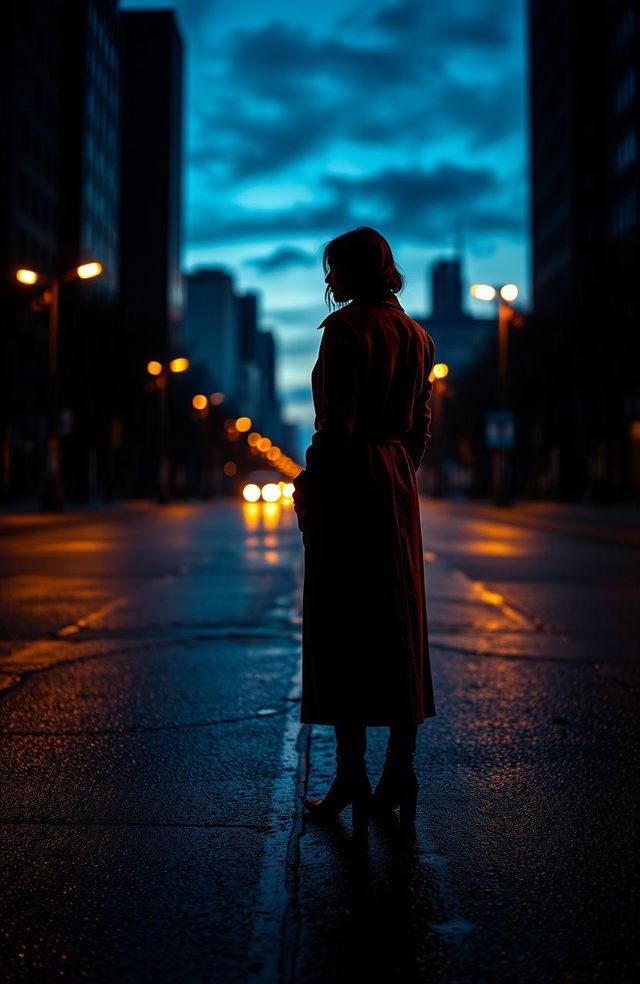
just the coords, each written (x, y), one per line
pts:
(522, 809)
(611, 524)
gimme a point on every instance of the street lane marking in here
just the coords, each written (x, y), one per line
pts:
(92, 617)
(275, 930)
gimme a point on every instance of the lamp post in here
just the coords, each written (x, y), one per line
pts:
(53, 492)
(438, 374)
(161, 374)
(500, 423)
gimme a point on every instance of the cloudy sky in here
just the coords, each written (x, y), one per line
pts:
(305, 119)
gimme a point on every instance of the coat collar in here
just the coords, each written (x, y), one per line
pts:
(390, 301)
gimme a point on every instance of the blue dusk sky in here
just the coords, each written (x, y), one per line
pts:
(303, 120)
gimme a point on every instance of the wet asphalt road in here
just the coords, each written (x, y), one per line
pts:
(153, 761)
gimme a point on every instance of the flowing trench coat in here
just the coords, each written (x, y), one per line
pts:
(365, 648)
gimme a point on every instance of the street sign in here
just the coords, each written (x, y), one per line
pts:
(499, 429)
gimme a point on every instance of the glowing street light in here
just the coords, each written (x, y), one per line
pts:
(483, 292)
(509, 292)
(161, 374)
(200, 402)
(28, 277)
(87, 271)
(506, 313)
(53, 494)
(440, 370)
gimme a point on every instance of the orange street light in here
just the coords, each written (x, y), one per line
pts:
(179, 365)
(483, 292)
(509, 292)
(440, 370)
(200, 402)
(53, 494)
(87, 271)
(506, 314)
(154, 368)
(243, 423)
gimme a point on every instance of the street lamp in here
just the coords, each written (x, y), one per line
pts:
(161, 375)
(437, 376)
(53, 494)
(500, 425)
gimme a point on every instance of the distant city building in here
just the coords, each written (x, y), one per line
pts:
(221, 336)
(270, 405)
(59, 172)
(249, 381)
(585, 209)
(151, 217)
(460, 338)
(211, 328)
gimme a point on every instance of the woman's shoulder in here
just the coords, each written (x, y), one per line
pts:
(340, 316)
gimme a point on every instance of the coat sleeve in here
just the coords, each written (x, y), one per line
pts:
(339, 389)
(419, 437)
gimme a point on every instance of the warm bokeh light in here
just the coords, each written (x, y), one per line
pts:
(86, 271)
(440, 370)
(263, 444)
(274, 452)
(271, 492)
(230, 468)
(27, 277)
(243, 423)
(251, 492)
(179, 365)
(216, 399)
(509, 292)
(253, 438)
(288, 489)
(154, 368)
(200, 402)
(483, 292)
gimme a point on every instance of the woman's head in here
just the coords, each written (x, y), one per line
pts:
(360, 265)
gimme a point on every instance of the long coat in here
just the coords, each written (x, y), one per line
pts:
(365, 648)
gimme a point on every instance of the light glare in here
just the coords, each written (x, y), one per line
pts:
(251, 492)
(509, 292)
(88, 270)
(483, 292)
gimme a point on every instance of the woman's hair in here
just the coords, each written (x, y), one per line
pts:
(366, 261)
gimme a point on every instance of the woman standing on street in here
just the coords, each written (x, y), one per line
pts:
(365, 650)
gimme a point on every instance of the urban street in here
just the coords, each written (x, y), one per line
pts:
(154, 763)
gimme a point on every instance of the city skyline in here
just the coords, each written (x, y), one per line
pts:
(286, 147)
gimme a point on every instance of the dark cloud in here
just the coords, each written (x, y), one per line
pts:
(445, 21)
(422, 204)
(277, 95)
(282, 259)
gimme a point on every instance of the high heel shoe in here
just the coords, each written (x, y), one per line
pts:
(397, 787)
(351, 785)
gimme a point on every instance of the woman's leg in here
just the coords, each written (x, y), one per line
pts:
(398, 784)
(351, 743)
(351, 783)
(402, 738)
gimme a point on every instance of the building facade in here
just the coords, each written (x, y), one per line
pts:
(585, 213)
